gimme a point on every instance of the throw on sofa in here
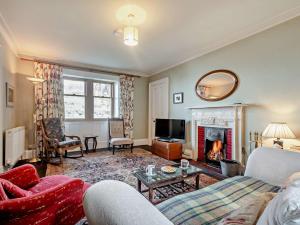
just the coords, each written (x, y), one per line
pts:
(25, 198)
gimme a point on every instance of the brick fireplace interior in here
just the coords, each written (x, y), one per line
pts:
(214, 144)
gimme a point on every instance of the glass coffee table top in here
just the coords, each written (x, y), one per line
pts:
(160, 176)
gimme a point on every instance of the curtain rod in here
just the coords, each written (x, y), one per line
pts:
(81, 68)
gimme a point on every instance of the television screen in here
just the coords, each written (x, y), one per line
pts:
(170, 128)
(178, 129)
(162, 128)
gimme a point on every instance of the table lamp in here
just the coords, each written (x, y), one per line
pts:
(278, 130)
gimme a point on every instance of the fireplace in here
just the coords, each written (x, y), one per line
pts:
(214, 144)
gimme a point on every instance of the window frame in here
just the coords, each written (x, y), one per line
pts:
(89, 98)
(75, 95)
(112, 97)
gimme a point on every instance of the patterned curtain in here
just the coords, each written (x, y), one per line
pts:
(126, 103)
(48, 97)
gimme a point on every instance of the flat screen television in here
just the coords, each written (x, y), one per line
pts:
(170, 129)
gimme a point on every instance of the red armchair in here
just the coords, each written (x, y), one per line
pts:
(51, 200)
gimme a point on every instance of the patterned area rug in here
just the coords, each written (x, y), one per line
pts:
(98, 166)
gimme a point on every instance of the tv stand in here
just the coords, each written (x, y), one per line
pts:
(167, 150)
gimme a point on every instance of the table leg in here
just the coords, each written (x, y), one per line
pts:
(197, 182)
(139, 186)
(95, 144)
(151, 195)
(86, 143)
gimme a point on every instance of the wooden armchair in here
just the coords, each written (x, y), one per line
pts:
(117, 136)
(56, 141)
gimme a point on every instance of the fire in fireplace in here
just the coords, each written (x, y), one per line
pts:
(215, 145)
(216, 152)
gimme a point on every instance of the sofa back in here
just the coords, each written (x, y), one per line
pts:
(272, 165)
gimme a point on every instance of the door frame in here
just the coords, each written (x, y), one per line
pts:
(166, 82)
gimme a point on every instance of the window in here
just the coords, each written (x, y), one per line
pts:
(87, 99)
(103, 100)
(74, 99)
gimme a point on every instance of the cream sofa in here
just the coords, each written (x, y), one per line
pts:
(116, 203)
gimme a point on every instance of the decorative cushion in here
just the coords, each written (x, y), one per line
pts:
(283, 209)
(3, 195)
(116, 128)
(13, 191)
(53, 128)
(121, 141)
(249, 214)
(69, 143)
(294, 180)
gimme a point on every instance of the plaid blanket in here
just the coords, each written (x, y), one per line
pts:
(209, 205)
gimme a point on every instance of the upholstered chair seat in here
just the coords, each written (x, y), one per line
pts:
(117, 137)
(121, 141)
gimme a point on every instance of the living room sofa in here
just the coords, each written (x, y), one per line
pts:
(116, 203)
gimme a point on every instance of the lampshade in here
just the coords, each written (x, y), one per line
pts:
(131, 35)
(35, 79)
(278, 130)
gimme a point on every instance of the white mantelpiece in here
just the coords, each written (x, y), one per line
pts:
(227, 116)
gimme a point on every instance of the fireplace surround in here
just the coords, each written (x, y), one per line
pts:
(223, 123)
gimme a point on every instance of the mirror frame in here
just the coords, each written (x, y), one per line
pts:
(228, 72)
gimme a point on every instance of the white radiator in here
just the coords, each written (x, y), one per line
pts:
(14, 145)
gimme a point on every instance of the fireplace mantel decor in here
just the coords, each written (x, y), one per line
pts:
(230, 118)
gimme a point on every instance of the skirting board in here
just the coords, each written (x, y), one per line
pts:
(137, 142)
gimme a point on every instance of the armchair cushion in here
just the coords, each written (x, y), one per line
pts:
(116, 128)
(69, 143)
(53, 128)
(121, 141)
(12, 190)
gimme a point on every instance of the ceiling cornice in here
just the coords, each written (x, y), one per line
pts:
(243, 34)
(8, 36)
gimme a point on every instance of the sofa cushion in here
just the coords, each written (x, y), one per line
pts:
(250, 213)
(211, 204)
(283, 209)
(13, 191)
(121, 141)
(69, 143)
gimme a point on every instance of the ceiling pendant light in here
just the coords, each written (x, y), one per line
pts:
(130, 16)
(131, 33)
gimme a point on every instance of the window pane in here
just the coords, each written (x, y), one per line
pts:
(73, 87)
(102, 90)
(102, 108)
(74, 107)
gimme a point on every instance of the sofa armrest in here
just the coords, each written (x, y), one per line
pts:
(61, 194)
(272, 165)
(116, 203)
(24, 176)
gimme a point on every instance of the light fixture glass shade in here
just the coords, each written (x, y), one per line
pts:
(131, 35)
(278, 130)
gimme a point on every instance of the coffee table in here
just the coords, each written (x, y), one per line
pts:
(168, 180)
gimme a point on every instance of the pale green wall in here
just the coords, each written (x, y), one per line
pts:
(140, 113)
(8, 65)
(268, 66)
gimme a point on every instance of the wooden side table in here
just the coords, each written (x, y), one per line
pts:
(86, 143)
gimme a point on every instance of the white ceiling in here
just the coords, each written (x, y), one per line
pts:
(174, 31)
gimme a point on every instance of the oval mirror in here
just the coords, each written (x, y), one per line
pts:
(216, 85)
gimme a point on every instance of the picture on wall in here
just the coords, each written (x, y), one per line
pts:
(178, 98)
(10, 92)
